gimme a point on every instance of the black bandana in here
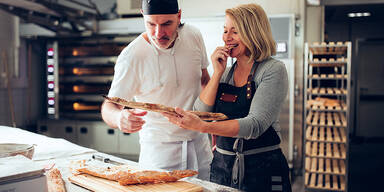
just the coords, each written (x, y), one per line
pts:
(154, 7)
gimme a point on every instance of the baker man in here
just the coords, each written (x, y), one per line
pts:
(165, 65)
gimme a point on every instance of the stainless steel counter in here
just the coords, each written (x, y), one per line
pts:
(60, 152)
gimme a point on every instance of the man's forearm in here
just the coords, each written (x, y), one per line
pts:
(109, 113)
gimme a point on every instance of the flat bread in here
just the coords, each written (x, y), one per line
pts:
(208, 116)
(125, 175)
(55, 182)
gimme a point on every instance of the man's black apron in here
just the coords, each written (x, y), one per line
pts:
(253, 164)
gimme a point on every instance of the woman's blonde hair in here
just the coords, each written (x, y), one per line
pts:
(252, 24)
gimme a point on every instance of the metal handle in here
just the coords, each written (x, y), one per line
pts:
(111, 131)
(68, 129)
(83, 130)
(101, 158)
(105, 160)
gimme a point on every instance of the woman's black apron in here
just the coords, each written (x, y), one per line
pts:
(247, 164)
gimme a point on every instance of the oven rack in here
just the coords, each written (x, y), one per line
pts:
(87, 79)
(100, 60)
(82, 97)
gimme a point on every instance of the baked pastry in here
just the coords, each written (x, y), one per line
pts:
(125, 175)
(55, 182)
(162, 108)
(324, 102)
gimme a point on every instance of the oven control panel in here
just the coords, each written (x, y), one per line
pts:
(52, 80)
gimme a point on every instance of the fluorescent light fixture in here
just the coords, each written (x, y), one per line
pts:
(351, 15)
(360, 14)
(313, 2)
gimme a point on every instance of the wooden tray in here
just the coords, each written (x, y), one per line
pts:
(327, 182)
(330, 48)
(327, 91)
(328, 76)
(328, 119)
(318, 107)
(325, 166)
(103, 185)
(326, 134)
(325, 150)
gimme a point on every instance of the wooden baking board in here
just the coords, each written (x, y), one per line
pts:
(102, 185)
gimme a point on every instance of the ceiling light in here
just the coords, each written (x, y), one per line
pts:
(360, 14)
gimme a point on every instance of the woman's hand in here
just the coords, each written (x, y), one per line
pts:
(219, 59)
(186, 120)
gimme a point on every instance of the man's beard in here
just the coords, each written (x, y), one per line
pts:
(170, 41)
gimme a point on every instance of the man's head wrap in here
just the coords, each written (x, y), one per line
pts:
(155, 7)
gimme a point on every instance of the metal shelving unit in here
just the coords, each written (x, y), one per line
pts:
(327, 107)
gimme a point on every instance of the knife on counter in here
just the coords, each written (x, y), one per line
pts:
(106, 160)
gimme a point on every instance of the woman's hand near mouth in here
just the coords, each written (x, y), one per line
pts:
(219, 59)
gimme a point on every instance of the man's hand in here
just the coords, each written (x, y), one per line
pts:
(130, 120)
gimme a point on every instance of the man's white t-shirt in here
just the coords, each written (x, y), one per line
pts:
(170, 77)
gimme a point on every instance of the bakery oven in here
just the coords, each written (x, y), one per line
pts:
(79, 72)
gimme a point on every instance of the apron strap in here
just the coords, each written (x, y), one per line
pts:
(184, 155)
(250, 76)
(250, 79)
(254, 68)
(230, 73)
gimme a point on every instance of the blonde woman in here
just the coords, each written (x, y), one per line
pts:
(247, 154)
